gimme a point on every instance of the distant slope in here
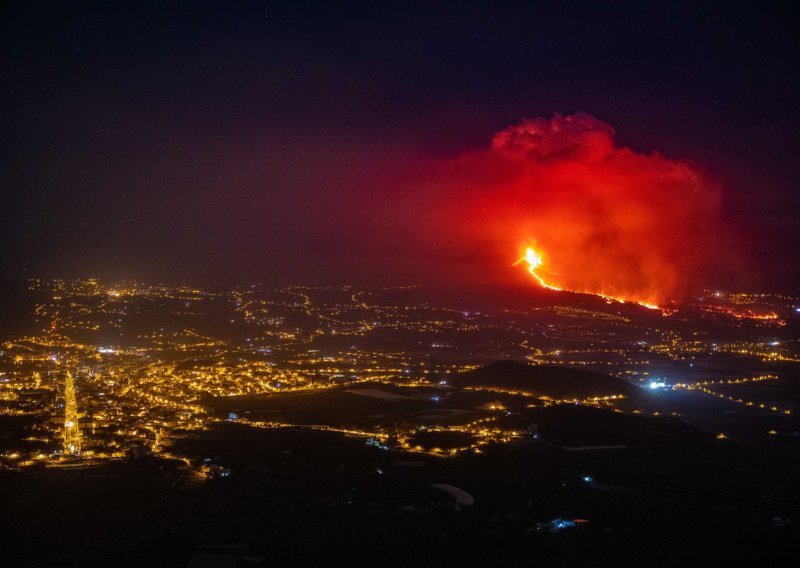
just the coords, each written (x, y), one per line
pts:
(545, 380)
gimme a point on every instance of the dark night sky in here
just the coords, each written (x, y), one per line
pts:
(218, 142)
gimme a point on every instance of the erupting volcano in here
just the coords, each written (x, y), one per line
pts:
(603, 219)
(534, 260)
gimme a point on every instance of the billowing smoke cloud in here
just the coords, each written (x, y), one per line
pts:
(606, 219)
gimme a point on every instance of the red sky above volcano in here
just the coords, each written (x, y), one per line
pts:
(607, 219)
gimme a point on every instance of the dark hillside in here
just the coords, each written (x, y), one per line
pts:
(546, 380)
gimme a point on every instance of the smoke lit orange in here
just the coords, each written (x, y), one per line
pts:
(592, 216)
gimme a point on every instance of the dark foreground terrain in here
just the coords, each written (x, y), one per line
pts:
(308, 498)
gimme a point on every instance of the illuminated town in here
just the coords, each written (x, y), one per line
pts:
(117, 370)
(115, 375)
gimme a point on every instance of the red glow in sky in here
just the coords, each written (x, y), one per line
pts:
(602, 218)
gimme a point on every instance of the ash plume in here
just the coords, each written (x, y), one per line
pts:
(607, 219)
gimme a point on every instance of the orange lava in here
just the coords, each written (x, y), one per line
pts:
(745, 314)
(534, 259)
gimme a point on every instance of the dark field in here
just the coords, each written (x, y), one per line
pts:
(323, 499)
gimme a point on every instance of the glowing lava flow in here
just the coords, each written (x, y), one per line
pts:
(534, 261)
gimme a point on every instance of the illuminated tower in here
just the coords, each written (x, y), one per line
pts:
(72, 433)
